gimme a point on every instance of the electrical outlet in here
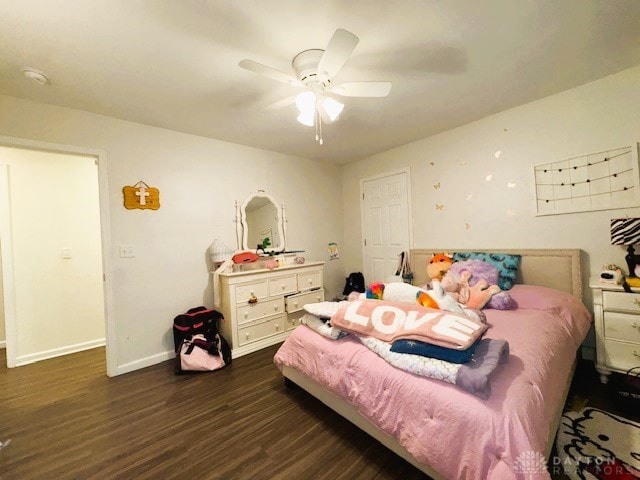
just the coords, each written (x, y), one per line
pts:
(66, 253)
(127, 251)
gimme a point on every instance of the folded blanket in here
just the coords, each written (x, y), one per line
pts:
(323, 328)
(390, 321)
(323, 309)
(415, 347)
(473, 378)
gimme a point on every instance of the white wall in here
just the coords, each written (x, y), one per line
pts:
(3, 335)
(54, 206)
(199, 181)
(594, 117)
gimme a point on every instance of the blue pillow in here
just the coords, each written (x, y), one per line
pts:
(507, 265)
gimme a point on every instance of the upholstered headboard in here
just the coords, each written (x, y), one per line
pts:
(555, 268)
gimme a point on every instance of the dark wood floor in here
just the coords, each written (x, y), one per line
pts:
(68, 420)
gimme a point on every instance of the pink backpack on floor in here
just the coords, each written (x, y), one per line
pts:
(197, 354)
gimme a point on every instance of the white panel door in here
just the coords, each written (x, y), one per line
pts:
(385, 218)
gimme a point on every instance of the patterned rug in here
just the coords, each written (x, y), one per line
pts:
(595, 445)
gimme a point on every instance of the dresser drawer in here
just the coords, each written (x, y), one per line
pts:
(245, 291)
(621, 301)
(262, 330)
(283, 285)
(307, 281)
(622, 326)
(621, 356)
(260, 309)
(293, 320)
(294, 303)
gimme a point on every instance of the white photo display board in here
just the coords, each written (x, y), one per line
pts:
(597, 181)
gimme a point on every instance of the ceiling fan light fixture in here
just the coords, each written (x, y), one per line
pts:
(307, 118)
(306, 102)
(332, 107)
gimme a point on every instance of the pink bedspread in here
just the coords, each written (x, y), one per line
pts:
(456, 433)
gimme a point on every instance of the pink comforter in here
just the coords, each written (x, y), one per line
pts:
(457, 434)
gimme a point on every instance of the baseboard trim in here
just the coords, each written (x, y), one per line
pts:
(3, 344)
(58, 352)
(145, 362)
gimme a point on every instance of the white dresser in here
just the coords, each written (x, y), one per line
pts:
(617, 324)
(261, 307)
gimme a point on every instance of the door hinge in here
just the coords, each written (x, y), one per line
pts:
(363, 195)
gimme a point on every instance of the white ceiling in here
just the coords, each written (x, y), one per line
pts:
(174, 63)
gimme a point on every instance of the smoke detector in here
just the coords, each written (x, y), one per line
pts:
(35, 75)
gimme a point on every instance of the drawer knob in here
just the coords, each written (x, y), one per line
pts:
(636, 326)
(310, 281)
(636, 354)
(247, 336)
(636, 302)
(246, 314)
(295, 304)
(275, 307)
(283, 287)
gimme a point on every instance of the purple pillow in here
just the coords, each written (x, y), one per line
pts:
(485, 271)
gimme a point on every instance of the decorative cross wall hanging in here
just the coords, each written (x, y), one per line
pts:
(141, 196)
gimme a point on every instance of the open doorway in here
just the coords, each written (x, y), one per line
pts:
(51, 244)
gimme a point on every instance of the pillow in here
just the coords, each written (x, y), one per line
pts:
(507, 265)
(576, 315)
(481, 270)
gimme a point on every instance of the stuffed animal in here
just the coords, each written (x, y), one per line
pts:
(480, 293)
(479, 270)
(405, 293)
(375, 291)
(438, 265)
(457, 285)
(438, 298)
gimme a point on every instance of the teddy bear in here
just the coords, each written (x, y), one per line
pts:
(438, 265)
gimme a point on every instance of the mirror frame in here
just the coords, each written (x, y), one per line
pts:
(242, 229)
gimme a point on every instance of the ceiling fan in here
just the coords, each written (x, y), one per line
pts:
(314, 72)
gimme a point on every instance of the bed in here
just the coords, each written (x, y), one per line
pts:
(437, 427)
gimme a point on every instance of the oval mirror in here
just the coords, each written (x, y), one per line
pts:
(262, 220)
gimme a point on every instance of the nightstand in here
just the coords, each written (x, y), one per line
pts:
(617, 324)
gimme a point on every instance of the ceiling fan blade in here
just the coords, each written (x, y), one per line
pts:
(361, 89)
(285, 102)
(337, 52)
(272, 73)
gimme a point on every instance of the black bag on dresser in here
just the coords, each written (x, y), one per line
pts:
(200, 321)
